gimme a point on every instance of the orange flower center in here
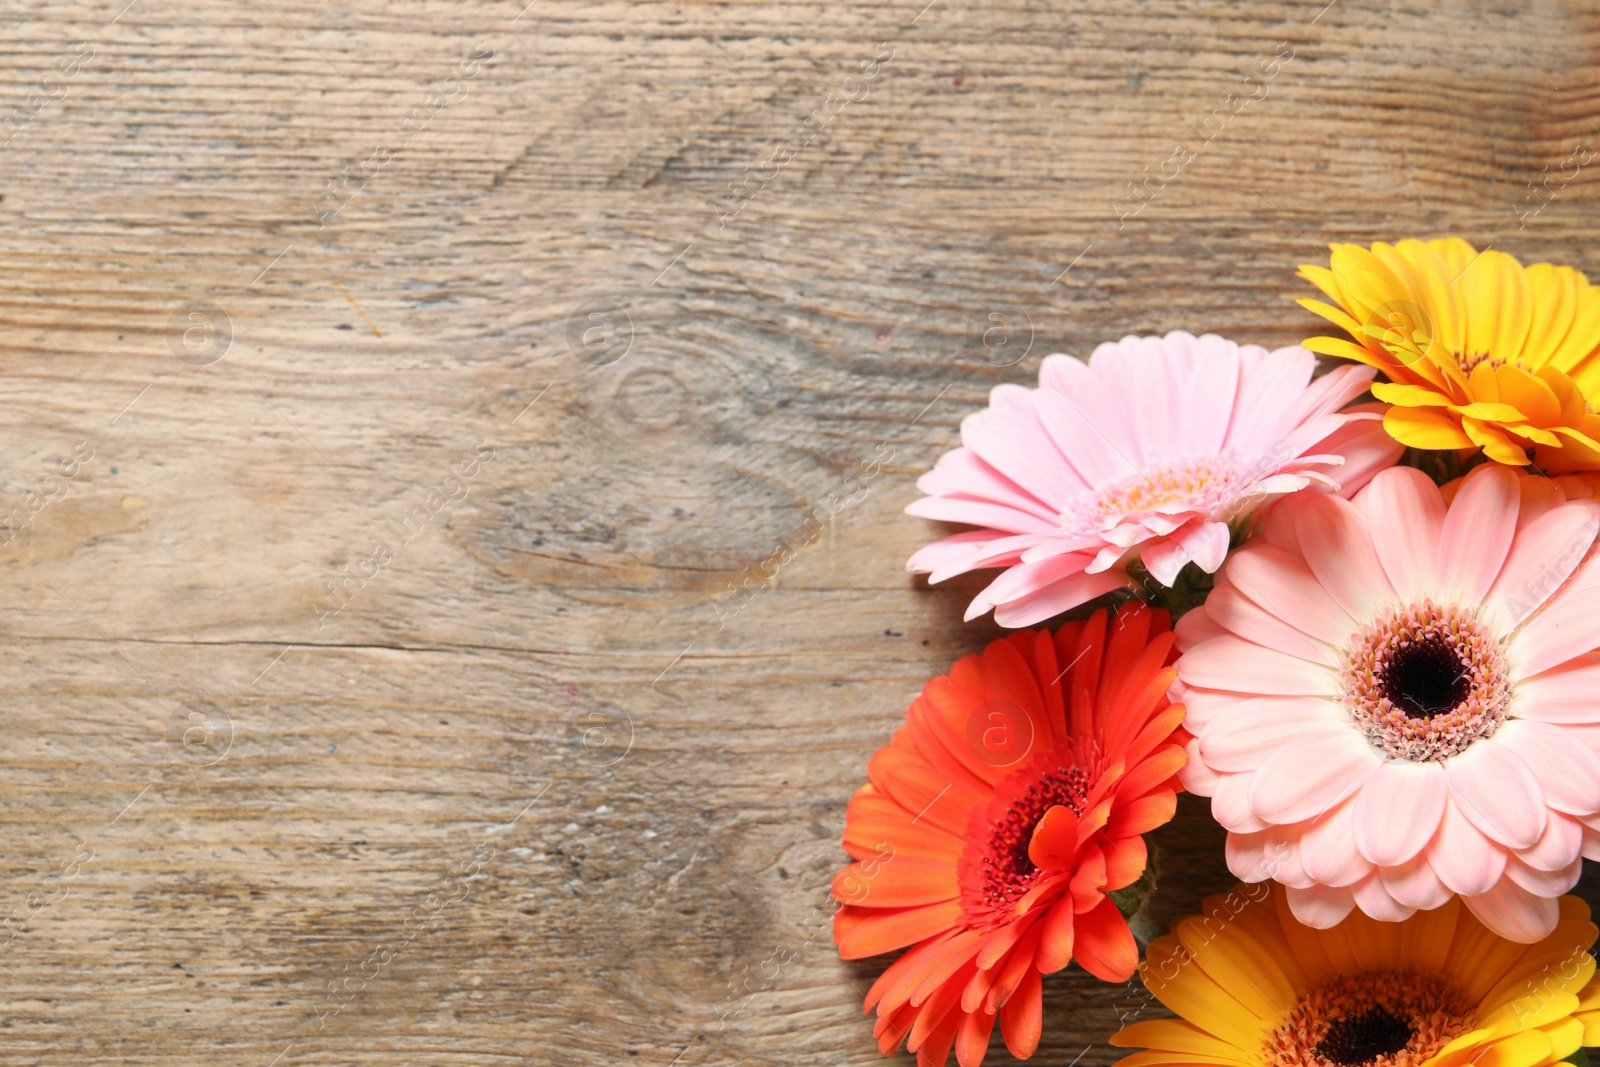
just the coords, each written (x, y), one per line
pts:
(1426, 681)
(996, 870)
(1375, 1019)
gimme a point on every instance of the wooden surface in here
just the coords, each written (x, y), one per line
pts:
(531, 784)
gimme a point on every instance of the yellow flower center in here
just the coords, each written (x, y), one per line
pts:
(1374, 1019)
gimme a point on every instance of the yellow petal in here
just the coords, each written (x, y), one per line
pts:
(1529, 394)
(1169, 974)
(1425, 428)
(1411, 396)
(1177, 1035)
(1495, 444)
(1162, 1057)
(1220, 949)
(1527, 1049)
(1566, 1037)
(1486, 411)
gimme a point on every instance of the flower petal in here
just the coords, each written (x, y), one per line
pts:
(1304, 778)
(1496, 790)
(1338, 547)
(1477, 532)
(1406, 506)
(1398, 811)
(1514, 913)
(1569, 773)
(1465, 859)
(1321, 906)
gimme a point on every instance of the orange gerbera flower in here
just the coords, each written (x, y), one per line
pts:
(997, 820)
(1480, 351)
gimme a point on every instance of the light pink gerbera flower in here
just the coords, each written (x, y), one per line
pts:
(1397, 698)
(1150, 451)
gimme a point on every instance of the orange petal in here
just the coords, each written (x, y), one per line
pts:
(1105, 947)
(862, 932)
(1054, 846)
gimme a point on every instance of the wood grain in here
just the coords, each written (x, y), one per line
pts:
(500, 768)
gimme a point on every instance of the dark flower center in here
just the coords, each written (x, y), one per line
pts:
(996, 870)
(1359, 1039)
(1424, 681)
(1426, 678)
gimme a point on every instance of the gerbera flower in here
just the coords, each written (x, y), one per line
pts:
(1398, 698)
(1480, 351)
(1149, 451)
(1254, 987)
(997, 820)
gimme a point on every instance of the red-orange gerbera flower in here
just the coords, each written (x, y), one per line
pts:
(997, 820)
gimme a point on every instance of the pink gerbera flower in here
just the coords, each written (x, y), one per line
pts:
(1150, 451)
(1397, 698)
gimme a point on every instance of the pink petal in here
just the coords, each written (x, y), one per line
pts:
(1339, 552)
(1164, 559)
(1246, 855)
(1328, 848)
(1065, 594)
(1268, 391)
(1196, 777)
(1465, 860)
(1212, 389)
(1375, 900)
(1565, 628)
(1331, 392)
(1494, 788)
(961, 472)
(1284, 585)
(1544, 883)
(1539, 495)
(1561, 844)
(1569, 693)
(1542, 557)
(1232, 663)
(1238, 613)
(996, 517)
(1230, 805)
(1206, 543)
(1206, 704)
(1252, 728)
(1306, 777)
(1569, 773)
(1321, 906)
(1398, 810)
(953, 551)
(1406, 505)
(1196, 627)
(1415, 885)
(1365, 445)
(1477, 532)
(1010, 437)
(1513, 912)
(1073, 420)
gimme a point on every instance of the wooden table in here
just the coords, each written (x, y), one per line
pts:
(396, 394)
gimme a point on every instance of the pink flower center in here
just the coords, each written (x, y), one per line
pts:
(996, 871)
(1208, 484)
(1426, 681)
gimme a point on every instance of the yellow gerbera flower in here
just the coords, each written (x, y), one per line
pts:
(1480, 351)
(1254, 988)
